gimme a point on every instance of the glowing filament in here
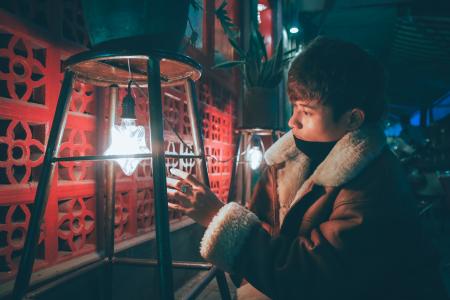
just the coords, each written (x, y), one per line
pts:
(127, 138)
(254, 156)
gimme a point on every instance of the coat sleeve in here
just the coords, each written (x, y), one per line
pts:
(282, 266)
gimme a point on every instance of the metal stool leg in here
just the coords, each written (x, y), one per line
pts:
(232, 188)
(223, 286)
(198, 289)
(159, 180)
(203, 170)
(196, 127)
(110, 204)
(40, 201)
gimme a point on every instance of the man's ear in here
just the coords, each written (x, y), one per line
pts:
(355, 119)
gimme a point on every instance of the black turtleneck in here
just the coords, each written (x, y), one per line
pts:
(316, 151)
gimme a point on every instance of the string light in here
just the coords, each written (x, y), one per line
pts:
(253, 155)
(294, 30)
(128, 138)
(255, 151)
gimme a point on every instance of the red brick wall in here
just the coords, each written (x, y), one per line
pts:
(35, 38)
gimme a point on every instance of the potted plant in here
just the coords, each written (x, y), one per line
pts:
(262, 74)
(137, 24)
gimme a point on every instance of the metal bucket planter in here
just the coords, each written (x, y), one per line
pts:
(136, 24)
(260, 108)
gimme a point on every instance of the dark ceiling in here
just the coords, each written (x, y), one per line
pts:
(412, 38)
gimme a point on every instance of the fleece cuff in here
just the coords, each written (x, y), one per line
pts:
(225, 235)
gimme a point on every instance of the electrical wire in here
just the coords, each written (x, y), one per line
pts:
(190, 148)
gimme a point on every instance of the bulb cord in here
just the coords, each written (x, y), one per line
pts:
(190, 148)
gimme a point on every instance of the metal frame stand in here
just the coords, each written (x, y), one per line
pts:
(240, 170)
(107, 69)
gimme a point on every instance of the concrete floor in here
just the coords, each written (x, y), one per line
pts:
(211, 292)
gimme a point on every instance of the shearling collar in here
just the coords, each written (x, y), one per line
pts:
(345, 161)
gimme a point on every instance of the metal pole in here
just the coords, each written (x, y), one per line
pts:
(110, 201)
(40, 201)
(241, 169)
(159, 180)
(232, 188)
(113, 157)
(194, 292)
(223, 286)
(247, 171)
(110, 181)
(143, 262)
(196, 127)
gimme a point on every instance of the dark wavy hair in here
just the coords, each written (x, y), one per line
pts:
(341, 75)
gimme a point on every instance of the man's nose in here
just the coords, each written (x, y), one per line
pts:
(294, 121)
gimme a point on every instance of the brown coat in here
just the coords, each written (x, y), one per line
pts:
(347, 231)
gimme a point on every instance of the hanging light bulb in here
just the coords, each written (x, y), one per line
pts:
(294, 30)
(255, 152)
(254, 156)
(294, 27)
(127, 138)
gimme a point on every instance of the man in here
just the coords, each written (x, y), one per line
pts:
(332, 216)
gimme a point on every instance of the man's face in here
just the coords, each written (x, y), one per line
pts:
(312, 121)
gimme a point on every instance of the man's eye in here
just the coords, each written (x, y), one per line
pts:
(306, 113)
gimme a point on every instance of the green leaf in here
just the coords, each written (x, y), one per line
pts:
(236, 47)
(195, 4)
(265, 72)
(228, 64)
(230, 29)
(278, 58)
(254, 64)
(193, 38)
(260, 43)
(222, 6)
(253, 58)
(252, 71)
(276, 79)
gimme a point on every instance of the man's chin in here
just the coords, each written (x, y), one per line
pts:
(299, 137)
(305, 139)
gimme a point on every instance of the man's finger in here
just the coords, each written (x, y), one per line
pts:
(180, 197)
(186, 176)
(171, 192)
(176, 207)
(180, 185)
(173, 182)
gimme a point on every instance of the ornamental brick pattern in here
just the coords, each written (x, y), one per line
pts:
(76, 226)
(35, 38)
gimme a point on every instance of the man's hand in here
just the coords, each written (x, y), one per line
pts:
(193, 197)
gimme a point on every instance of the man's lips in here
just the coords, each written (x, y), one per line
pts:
(296, 134)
